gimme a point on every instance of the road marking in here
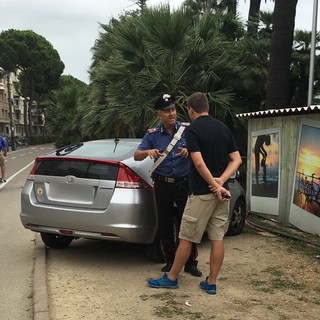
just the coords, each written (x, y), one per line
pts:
(14, 175)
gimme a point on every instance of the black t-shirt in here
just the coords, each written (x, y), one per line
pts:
(215, 142)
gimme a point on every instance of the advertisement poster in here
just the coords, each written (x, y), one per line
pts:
(265, 156)
(305, 208)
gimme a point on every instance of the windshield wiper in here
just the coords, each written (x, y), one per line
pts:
(65, 150)
(116, 141)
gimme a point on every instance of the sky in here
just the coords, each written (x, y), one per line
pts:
(72, 26)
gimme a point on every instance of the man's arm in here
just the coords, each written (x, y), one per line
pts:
(139, 155)
(207, 176)
(235, 162)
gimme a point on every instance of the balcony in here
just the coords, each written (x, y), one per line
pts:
(2, 86)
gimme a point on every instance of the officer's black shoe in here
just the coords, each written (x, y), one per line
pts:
(167, 267)
(192, 269)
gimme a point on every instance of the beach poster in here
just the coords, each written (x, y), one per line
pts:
(264, 173)
(305, 206)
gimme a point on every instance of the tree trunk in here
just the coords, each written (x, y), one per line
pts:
(232, 6)
(280, 54)
(252, 16)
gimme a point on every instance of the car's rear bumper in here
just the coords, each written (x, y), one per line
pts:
(123, 220)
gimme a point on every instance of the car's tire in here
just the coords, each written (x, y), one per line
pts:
(56, 241)
(154, 250)
(238, 218)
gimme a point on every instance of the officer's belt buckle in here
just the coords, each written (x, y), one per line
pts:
(169, 180)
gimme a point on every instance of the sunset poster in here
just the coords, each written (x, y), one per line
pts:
(306, 192)
(265, 168)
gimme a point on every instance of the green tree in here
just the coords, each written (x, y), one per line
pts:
(139, 57)
(300, 68)
(63, 111)
(38, 61)
(206, 6)
(253, 16)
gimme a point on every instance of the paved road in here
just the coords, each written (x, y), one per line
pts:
(16, 243)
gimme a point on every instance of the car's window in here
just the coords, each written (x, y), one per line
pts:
(110, 150)
(79, 169)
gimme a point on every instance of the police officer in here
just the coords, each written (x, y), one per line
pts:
(170, 178)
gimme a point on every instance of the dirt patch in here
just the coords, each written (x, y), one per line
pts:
(263, 277)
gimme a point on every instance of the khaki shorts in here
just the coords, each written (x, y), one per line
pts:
(204, 212)
(1, 158)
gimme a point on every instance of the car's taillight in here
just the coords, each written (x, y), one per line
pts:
(32, 172)
(128, 179)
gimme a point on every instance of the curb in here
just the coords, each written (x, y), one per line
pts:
(40, 290)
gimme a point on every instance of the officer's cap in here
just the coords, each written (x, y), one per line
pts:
(165, 102)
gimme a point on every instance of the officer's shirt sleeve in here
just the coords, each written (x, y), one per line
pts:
(146, 142)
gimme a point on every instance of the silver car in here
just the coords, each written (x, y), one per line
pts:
(96, 190)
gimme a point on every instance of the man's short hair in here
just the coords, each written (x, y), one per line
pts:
(199, 102)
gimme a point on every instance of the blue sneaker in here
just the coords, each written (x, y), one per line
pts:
(163, 282)
(209, 288)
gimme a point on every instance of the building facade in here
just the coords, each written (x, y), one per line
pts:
(37, 116)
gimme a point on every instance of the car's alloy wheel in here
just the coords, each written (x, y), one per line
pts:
(238, 218)
(55, 241)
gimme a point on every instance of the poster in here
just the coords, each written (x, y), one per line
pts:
(265, 168)
(305, 207)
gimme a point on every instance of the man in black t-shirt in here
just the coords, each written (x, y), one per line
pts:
(215, 157)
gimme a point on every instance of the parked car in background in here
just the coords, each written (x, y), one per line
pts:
(96, 190)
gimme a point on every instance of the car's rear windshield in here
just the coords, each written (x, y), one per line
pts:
(79, 169)
(101, 149)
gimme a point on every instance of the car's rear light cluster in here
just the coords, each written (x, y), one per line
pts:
(33, 171)
(128, 179)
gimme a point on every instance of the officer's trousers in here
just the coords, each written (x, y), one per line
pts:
(171, 199)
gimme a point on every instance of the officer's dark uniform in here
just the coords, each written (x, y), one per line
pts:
(171, 190)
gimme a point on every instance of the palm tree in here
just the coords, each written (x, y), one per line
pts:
(63, 111)
(159, 51)
(253, 16)
(277, 89)
(300, 67)
(252, 67)
(206, 6)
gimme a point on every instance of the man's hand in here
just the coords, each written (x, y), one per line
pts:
(221, 193)
(154, 153)
(183, 152)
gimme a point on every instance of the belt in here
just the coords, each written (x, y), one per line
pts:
(157, 177)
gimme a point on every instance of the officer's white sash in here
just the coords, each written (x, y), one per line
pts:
(170, 146)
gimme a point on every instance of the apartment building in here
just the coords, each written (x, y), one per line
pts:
(37, 116)
(4, 108)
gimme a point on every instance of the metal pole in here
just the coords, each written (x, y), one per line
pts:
(312, 51)
(13, 145)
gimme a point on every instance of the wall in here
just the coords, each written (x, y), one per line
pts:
(289, 137)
